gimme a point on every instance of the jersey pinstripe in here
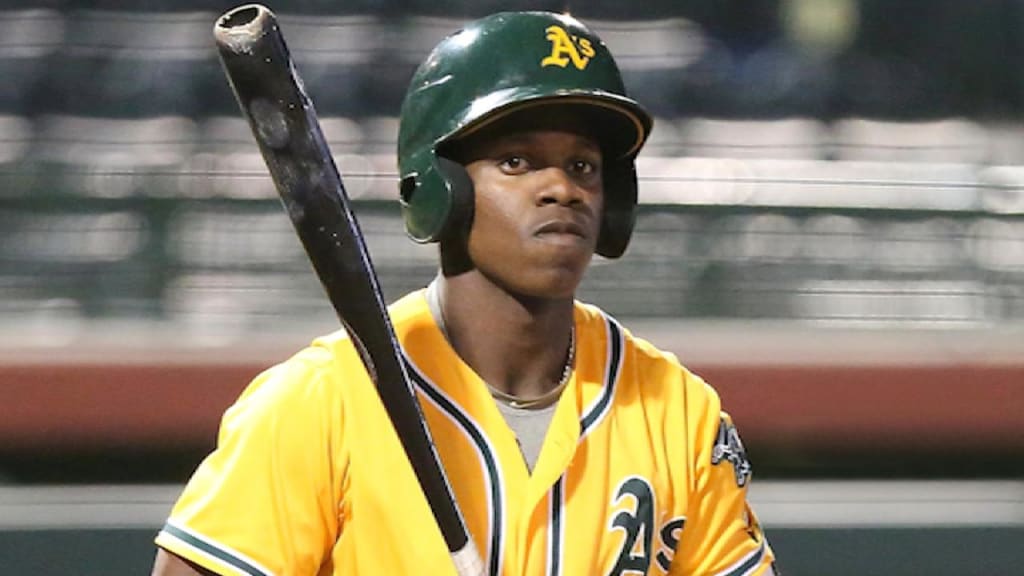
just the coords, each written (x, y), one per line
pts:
(640, 472)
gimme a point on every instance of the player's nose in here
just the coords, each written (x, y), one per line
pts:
(558, 187)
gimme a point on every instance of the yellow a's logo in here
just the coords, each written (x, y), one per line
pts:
(565, 49)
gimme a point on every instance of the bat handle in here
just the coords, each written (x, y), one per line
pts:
(467, 560)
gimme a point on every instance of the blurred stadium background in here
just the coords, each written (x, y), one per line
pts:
(831, 232)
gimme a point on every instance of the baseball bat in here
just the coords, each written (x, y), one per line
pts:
(273, 99)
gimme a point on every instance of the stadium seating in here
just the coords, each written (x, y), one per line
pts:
(118, 126)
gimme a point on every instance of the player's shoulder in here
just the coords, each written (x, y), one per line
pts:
(597, 324)
(334, 354)
(316, 370)
(300, 388)
(307, 372)
(646, 364)
(337, 346)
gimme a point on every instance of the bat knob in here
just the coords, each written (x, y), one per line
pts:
(238, 29)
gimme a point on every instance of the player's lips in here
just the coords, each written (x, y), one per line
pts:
(567, 228)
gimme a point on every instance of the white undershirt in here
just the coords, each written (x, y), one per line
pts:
(530, 425)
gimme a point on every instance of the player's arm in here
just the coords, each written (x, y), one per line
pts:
(722, 534)
(279, 464)
(168, 564)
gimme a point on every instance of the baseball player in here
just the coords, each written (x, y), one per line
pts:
(573, 447)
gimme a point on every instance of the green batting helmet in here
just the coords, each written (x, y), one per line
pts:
(506, 63)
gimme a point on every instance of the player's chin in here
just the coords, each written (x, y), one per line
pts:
(549, 270)
(558, 278)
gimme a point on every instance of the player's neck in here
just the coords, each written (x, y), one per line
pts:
(517, 345)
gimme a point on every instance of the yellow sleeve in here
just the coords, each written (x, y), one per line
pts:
(266, 501)
(721, 535)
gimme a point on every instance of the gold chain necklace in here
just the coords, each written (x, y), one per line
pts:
(549, 396)
(433, 298)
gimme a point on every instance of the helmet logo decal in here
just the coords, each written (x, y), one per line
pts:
(566, 48)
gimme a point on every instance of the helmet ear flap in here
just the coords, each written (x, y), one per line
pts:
(437, 202)
(420, 211)
(619, 209)
(460, 194)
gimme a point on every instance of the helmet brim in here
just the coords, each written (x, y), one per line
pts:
(620, 124)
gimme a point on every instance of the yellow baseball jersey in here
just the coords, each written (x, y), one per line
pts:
(640, 472)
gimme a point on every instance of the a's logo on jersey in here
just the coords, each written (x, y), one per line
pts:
(637, 521)
(729, 448)
(566, 48)
(634, 515)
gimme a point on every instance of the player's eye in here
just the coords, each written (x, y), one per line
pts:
(586, 169)
(582, 166)
(513, 165)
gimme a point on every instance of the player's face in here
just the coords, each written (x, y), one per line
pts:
(538, 204)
